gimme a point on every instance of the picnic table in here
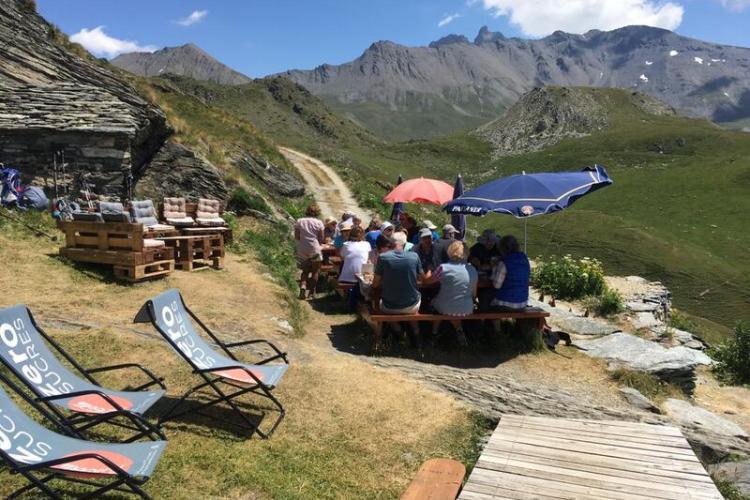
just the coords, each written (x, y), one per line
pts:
(195, 252)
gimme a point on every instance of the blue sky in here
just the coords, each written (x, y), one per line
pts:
(260, 37)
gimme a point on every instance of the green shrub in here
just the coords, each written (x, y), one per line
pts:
(680, 320)
(569, 278)
(241, 202)
(609, 303)
(733, 357)
(647, 384)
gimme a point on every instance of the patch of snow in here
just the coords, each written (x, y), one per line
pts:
(699, 60)
(715, 60)
(725, 94)
(673, 53)
(649, 63)
(644, 78)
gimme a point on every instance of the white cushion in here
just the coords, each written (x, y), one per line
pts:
(149, 243)
(213, 221)
(181, 221)
(160, 227)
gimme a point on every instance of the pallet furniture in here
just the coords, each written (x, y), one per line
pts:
(192, 253)
(125, 246)
(437, 479)
(542, 457)
(201, 231)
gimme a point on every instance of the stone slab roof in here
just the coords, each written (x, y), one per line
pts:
(64, 107)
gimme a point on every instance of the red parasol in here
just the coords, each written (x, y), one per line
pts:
(421, 191)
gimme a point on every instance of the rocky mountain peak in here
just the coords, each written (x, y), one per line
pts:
(487, 36)
(449, 40)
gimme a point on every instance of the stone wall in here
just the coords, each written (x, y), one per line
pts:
(103, 157)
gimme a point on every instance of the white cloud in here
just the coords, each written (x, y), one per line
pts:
(195, 17)
(542, 17)
(448, 19)
(101, 44)
(735, 5)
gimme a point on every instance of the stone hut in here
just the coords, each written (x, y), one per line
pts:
(91, 126)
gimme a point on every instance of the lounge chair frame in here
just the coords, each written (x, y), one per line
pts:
(77, 424)
(38, 474)
(148, 314)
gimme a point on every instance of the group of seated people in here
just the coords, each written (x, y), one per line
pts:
(207, 213)
(402, 265)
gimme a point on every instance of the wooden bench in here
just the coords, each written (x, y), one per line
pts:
(119, 244)
(437, 479)
(525, 319)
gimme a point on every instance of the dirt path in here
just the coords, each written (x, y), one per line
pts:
(331, 193)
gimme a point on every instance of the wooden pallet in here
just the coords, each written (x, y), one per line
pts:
(193, 253)
(144, 271)
(118, 257)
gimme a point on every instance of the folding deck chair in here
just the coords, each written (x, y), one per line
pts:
(41, 455)
(171, 317)
(76, 399)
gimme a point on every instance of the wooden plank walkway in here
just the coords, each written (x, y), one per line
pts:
(555, 458)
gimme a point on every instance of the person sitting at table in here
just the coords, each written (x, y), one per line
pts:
(309, 234)
(424, 250)
(409, 225)
(357, 222)
(387, 229)
(510, 278)
(330, 230)
(343, 236)
(373, 231)
(408, 245)
(426, 224)
(485, 253)
(355, 252)
(382, 244)
(347, 215)
(440, 247)
(397, 273)
(458, 289)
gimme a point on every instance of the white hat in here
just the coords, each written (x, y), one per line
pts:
(346, 225)
(448, 228)
(428, 224)
(385, 226)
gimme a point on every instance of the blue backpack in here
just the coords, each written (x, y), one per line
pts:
(10, 186)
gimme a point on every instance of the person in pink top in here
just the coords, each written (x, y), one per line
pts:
(309, 232)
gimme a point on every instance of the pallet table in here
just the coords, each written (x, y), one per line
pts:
(207, 230)
(193, 253)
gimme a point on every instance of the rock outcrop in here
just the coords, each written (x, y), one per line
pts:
(277, 180)
(622, 350)
(177, 171)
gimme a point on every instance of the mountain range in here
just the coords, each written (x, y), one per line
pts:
(186, 60)
(454, 83)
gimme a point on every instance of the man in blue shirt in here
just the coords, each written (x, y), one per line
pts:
(398, 273)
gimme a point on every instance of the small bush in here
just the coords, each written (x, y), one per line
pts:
(609, 303)
(733, 357)
(679, 320)
(241, 202)
(569, 278)
(649, 385)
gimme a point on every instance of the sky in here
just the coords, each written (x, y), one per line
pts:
(262, 37)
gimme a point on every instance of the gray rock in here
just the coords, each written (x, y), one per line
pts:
(584, 326)
(275, 179)
(177, 171)
(644, 320)
(687, 414)
(737, 473)
(676, 365)
(642, 306)
(635, 398)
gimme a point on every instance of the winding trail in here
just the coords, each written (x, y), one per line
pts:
(330, 191)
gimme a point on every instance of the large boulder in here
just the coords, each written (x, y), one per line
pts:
(737, 473)
(622, 350)
(274, 178)
(714, 438)
(583, 326)
(177, 171)
(635, 398)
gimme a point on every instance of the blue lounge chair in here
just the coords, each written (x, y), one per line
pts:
(42, 456)
(76, 399)
(218, 369)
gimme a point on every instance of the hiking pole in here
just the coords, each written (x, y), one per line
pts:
(38, 232)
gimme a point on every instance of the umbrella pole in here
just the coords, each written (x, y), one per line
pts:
(524, 235)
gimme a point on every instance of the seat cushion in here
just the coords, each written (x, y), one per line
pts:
(110, 208)
(88, 217)
(180, 221)
(207, 209)
(143, 212)
(147, 221)
(122, 217)
(159, 227)
(149, 243)
(174, 208)
(212, 221)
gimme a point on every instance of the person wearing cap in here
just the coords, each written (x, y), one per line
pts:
(330, 231)
(426, 224)
(343, 236)
(355, 252)
(484, 254)
(440, 252)
(397, 274)
(309, 234)
(424, 250)
(458, 288)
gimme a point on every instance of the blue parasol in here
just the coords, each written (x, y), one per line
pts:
(529, 195)
(458, 220)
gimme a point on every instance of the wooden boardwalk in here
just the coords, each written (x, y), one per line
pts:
(550, 458)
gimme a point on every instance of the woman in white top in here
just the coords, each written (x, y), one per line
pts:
(355, 252)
